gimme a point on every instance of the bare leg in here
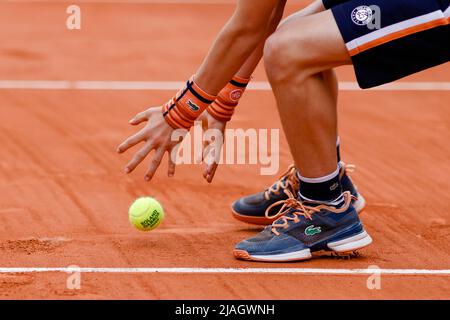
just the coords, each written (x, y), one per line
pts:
(299, 57)
(296, 57)
(252, 62)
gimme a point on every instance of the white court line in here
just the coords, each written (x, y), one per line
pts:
(403, 272)
(175, 85)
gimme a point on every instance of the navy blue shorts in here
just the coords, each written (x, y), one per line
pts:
(391, 39)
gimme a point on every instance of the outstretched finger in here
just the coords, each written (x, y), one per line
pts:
(131, 141)
(200, 155)
(138, 157)
(171, 167)
(154, 163)
(211, 160)
(140, 117)
(210, 171)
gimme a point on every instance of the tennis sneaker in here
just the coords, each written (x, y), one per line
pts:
(260, 208)
(304, 228)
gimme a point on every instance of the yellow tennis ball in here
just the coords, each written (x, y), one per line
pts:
(146, 214)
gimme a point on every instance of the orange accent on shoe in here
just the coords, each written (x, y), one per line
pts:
(288, 183)
(241, 255)
(184, 108)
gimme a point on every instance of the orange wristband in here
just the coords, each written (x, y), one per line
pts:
(182, 110)
(223, 108)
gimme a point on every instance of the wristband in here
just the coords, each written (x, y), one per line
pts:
(185, 107)
(223, 107)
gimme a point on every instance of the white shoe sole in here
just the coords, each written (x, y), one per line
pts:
(304, 254)
(350, 244)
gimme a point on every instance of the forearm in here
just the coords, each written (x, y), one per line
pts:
(223, 107)
(237, 50)
(237, 41)
(252, 62)
(235, 44)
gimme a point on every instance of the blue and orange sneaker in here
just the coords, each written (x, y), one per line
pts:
(304, 228)
(260, 208)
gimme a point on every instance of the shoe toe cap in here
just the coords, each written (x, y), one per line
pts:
(244, 207)
(255, 205)
(268, 243)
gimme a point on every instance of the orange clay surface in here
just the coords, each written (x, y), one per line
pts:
(64, 197)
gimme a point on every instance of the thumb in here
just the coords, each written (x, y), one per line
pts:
(139, 118)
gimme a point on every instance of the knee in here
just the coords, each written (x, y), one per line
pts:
(276, 58)
(283, 59)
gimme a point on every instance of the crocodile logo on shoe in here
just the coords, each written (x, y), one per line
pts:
(311, 230)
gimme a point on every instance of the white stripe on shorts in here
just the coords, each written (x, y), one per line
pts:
(383, 32)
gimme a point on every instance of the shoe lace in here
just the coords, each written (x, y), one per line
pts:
(288, 183)
(297, 209)
(348, 168)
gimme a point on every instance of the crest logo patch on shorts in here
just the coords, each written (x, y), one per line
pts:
(362, 15)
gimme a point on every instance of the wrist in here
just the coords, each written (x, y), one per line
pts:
(222, 109)
(184, 108)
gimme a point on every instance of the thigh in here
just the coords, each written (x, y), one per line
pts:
(315, 40)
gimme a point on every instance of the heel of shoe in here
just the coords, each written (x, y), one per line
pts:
(359, 204)
(352, 243)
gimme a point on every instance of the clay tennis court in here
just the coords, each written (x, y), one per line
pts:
(64, 196)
